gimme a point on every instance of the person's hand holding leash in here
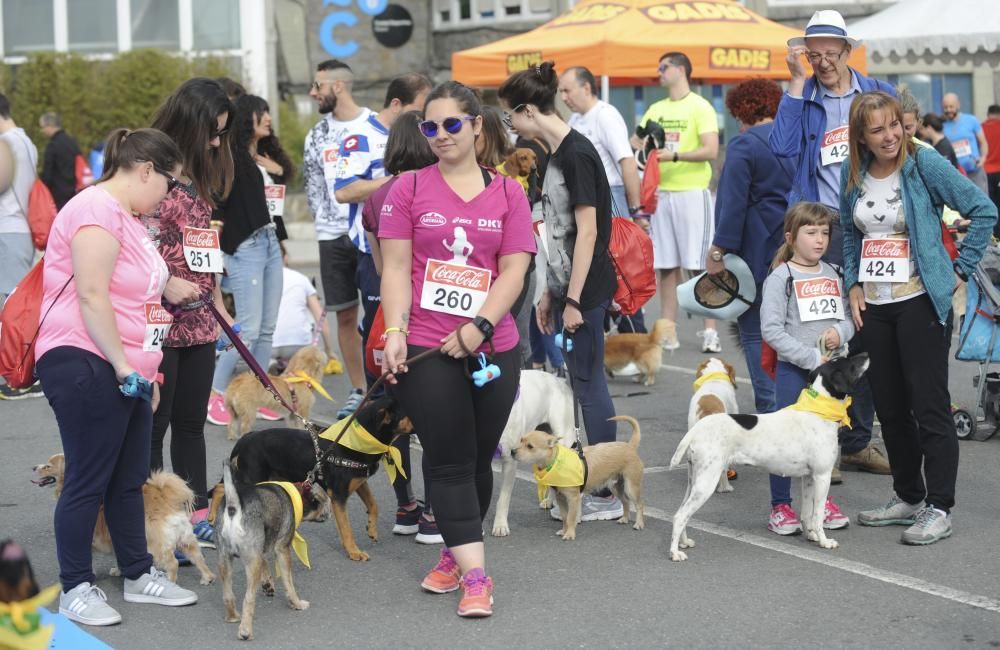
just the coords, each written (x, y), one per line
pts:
(180, 291)
(572, 316)
(460, 348)
(394, 355)
(857, 299)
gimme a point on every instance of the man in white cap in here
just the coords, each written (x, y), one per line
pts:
(811, 128)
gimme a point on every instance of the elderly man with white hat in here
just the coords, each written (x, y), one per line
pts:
(811, 128)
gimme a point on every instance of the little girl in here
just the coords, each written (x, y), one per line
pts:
(803, 316)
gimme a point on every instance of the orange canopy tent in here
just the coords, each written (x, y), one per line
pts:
(624, 39)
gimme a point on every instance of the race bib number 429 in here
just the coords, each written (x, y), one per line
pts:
(885, 260)
(818, 299)
(455, 289)
(201, 250)
(158, 321)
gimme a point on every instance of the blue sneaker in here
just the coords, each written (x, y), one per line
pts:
(182, 560)
(351, 404)
(205, 534)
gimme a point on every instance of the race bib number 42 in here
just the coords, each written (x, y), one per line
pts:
(834, 147)
(158, 321)
(818, 299)
(885, 260)
(275, 195)
(455, 289)
(201, 250)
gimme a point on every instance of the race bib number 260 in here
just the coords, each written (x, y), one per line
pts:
(456, 289)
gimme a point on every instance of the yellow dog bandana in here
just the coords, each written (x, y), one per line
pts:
(298, 542)
(828, 408)
(20, 624)
(565, 470)
(360, 440)
(302, 378)
(712, 376)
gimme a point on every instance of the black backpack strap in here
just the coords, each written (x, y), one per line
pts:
(486, 177)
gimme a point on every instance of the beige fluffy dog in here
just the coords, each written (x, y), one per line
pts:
(167, 501)
(246, 394)
(615, 465)
(644, 350)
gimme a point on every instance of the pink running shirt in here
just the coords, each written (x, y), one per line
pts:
(139, 277)
(443, 227)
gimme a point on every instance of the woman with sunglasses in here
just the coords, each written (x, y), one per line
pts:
(456, 240)
(576, 206)
(196, 117)
(252, 255)
(98, 350)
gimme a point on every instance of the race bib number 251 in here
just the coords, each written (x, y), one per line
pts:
(201, 250)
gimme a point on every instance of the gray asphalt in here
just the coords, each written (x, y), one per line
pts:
(611, 588)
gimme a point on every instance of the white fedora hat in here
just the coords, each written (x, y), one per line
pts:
(827, 23)
(724, 297)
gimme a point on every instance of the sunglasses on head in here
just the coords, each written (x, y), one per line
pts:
(218, 133)
(451, 124)
(171, 181)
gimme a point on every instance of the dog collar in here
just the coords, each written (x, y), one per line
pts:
(302, 378)
(712, 376)
(360, 440)
(20, 620)
(828, 408)
(567, 470)
(298, 542)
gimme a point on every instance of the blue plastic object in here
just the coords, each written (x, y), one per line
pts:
(137, 386)
(487, 372)
(559, 342)
(221, 343)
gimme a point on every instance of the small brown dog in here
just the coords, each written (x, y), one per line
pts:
(167, 501)
(644, 350)
(520, 163)
(613, 464)
(246, 394)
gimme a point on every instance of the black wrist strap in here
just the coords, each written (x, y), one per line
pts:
(573, 303)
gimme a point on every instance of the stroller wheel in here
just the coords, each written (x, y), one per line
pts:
(965, 424)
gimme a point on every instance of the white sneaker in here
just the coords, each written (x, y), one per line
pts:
(153, 587)
(710, 341)
(87, 604)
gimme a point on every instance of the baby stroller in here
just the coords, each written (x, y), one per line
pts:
(978, 341)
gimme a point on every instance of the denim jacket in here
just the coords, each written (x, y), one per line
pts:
(925, 190)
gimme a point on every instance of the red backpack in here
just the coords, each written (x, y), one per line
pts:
(84, 175)
(19, 325)
(375, 345)
(631, 252)
(41, 214)
(650, 183)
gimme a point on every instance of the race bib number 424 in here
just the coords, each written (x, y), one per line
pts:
(158, 321)
(455, 289)
(818, 299)
(201, 250)
(885, 260)
(834, 147)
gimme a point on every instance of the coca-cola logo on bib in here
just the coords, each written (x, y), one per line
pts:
(460, 276)
(157, 315)
(432, 219)
(817, 288)
(885, 248)
(201, 238)
(836, 136)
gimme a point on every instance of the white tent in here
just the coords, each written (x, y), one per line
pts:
(931, 26)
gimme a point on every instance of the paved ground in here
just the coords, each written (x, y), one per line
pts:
(613, 586)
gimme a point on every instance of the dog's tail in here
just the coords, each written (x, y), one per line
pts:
(661, 329)
(232, 496)
(172, 489)
(682, 449)
(636, 434)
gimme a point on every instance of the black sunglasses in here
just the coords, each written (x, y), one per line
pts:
(218, 133)
(171, 181)
(451, 124)
(507, 117)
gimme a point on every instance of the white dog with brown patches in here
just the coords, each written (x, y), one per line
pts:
(714, 392)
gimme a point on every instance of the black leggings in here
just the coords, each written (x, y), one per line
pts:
(460, 427)
(187, 383)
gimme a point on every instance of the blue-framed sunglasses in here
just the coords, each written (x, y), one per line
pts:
(451, 124)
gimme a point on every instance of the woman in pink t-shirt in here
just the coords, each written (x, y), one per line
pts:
(456, 241)
(103, 335)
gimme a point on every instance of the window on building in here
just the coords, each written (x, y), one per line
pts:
(216, 24)
(93, 25)
(27, 27)
(930, 89)
(155, 23)
(459, 13)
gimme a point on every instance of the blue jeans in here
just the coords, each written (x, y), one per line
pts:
(789, 380)
(619, 202)
(586, 365)
(543, 345)
(255, 279)
(750, 339)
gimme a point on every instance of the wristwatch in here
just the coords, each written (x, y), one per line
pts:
(716, 255)
(484, 326)
(633, 209)
(676, 157)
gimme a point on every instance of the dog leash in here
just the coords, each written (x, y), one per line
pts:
(578, 444)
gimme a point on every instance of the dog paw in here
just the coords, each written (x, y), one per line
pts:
(299, 604)
(358, 555)
(546, 504)
(568, 536)
(245, 634)
(828, 543)
(115, 572)
(722, 489)
(624, 520)
(501, 530)
(678, 556)
(233, 617)
(268, 589)
(639, 525)
(207, 579)
(812, 536)
(687, 542)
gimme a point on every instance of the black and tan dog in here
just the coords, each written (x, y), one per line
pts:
(289, 455)
(256, 521)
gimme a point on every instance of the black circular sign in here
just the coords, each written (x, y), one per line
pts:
(393, 27)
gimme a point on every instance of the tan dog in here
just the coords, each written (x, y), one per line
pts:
(716, 395)
(613, 464)
(167, 501)
(246, 394)
(520, 164)
(644, 350)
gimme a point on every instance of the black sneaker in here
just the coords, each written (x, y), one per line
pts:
(34, 390)
(408, 521)
(428, 532)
